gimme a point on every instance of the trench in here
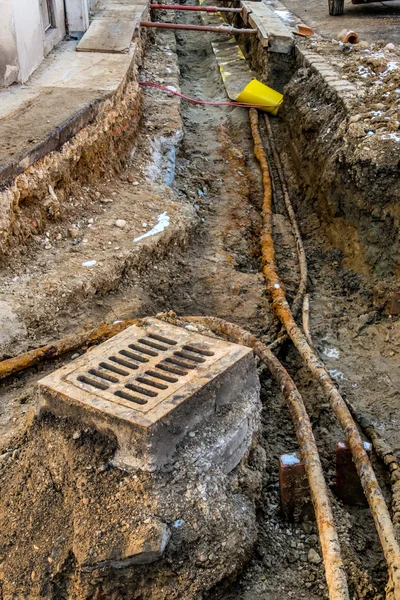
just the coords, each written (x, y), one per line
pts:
(217, 272)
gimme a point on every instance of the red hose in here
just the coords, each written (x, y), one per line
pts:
(211, 103)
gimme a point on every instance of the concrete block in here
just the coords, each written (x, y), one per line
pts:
(272, 32)
(348, 485)
(142, 546)
(149, 386)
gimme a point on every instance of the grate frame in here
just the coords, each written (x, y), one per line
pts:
(140, 372)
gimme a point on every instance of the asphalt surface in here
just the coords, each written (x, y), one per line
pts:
(373, 21)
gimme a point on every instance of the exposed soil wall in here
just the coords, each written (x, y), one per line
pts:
(351, 178)
(352, 181)
(41, 193)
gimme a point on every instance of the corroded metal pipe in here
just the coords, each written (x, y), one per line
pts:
(100, 334)
(225, 30)
(334, 568)
(208, 9)
(373, 493)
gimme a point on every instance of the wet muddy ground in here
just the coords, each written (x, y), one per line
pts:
(200, 159)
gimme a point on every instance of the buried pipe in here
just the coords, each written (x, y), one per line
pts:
(222, 29)
(208, 9)
(97, 335)
(373, 493)
(334, 568)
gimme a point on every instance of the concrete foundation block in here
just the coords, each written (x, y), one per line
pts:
(149, 387)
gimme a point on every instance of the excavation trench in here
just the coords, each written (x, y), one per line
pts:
(214, 270)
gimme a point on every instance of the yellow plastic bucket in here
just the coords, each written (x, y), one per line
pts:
(256, 92)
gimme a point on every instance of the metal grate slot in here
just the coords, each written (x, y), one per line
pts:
(143, 350)
(89, 381)
(153, 344)
(198, 350)
(156, 384)
(140, 390)
(105, 376)
(171, 369)
(185, 364)
(113, 369)
(134, 356)
(161, 338)
(192, 357)
(123, 362)
(162, 376)
(126, 396)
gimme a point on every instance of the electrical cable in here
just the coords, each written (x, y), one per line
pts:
(204, 102)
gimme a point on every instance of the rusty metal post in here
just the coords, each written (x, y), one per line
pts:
(293, 486)
(348, 485)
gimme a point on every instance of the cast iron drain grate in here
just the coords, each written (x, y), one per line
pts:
(143, 370)
(149, 386)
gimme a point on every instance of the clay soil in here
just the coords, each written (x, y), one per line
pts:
(215, 270)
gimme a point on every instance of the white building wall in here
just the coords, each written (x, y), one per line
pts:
(78, 14)
(29, 36)
(9, 67)
(23, 41)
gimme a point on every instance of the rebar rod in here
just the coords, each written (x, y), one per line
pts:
(14, 365)
(317, 368)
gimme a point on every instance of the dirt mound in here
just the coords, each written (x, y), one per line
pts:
(72, 527)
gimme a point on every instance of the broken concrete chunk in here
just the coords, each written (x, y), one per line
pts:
(143, 546)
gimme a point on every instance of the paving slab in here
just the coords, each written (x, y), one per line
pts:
(108, 35)
(94, 71)
(272, 31)
(43, 124)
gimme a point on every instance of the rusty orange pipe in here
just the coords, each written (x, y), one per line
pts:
(334, 568)
(373, 492)
(225, 30)
(208, 9)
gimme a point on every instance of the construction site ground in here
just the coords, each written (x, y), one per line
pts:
(371, 21)
(176, 226)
